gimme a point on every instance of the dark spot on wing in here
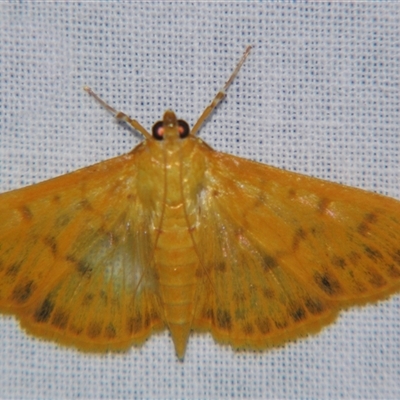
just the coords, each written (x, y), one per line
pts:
(373, 254)
(155, 275)
(154, 316)
(134, 324)
(63, 220)
(282, 324)
(327, 283)
(51, 242)
(94, 329)
(364, 227)
(396, 257)
(84, 268)
(371, 218)
(110, 331)
(338, 262)
(298, 314)
(263, 324)
(314, 306)
(260, 200)
(299, 235)
(77, 330)
(23, 291)
(42, 314)
(104, 297)
(315, 231)
(221, 266)
(248, 329)
(71, 259)
(359, 287)
(354, 258)
(269, 262)
(13, 269)
(87, 299)
(131, 197)
(224, 319)
(147, 320)
(268, 293)
(60, 319)
(26, 213)
(56, 198)
(208, 314)
(392, 271)
(375, 279)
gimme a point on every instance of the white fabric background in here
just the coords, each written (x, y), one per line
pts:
(319, 94)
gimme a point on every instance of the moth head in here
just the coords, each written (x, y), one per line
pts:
(170, 128)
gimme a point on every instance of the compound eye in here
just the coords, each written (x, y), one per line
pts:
(183, 128)
(158, 130)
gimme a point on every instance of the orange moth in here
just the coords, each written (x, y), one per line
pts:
(176, 235)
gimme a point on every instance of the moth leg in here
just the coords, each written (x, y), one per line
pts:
(118, 114)
(220, 95)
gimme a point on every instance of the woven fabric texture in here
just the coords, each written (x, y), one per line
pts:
(319, 94)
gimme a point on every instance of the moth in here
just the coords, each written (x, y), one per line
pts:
(176, 235)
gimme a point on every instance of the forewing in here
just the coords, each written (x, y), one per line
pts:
(75, 258)
(282, 253)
